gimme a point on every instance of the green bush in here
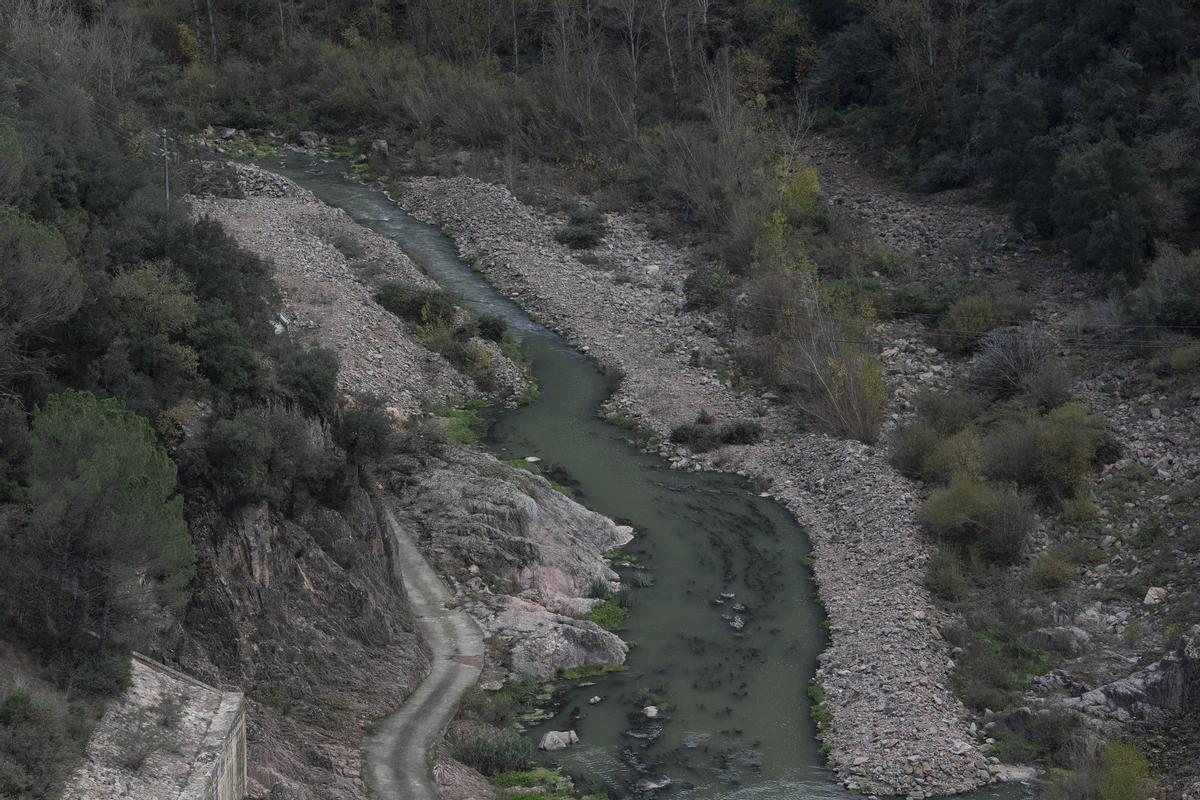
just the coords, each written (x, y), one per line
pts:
(1050, 386)
(278, 456)
(308, 375)
(1170, 293)
(495, 708)
(608, 614)
(1010, 451)
(954, 457)
(579, 237)
(1185, 359)
(494, 752)
(912, 445)
(1067, 445)
(969, 318)
(419, 306)
(584, 231)
(364, 430)
(1052, 571)
(1124, 773)
(944, 577)
(994, 669)
(708, 285)
(949, 412)
(703, 435)
(995, 522)
(493, 327)
(966, 322)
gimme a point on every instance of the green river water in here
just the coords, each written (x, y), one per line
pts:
(736, 710)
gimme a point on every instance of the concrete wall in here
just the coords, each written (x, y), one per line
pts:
(201, 755)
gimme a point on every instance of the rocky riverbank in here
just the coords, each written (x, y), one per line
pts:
(895, 725)
(309, 614)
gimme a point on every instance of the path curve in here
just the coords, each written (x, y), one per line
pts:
(397, 755)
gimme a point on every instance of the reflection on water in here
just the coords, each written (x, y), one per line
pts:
(725, 625)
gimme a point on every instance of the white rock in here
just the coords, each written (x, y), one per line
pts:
(1155, 595)
(650, 711)
(594, 700)
(558, 740)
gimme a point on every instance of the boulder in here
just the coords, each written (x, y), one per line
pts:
(558, 740)
(1155, 596)
(309, 139)
(653, 784)
(1068, 639)
(651, 712)
(379, 147)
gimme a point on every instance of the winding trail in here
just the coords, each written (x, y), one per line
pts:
(398, 765)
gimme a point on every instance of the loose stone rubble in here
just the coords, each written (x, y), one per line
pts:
(896, 728)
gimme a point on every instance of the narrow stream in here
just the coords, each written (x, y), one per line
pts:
(728, 630)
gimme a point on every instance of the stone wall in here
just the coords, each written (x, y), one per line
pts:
(169, 737)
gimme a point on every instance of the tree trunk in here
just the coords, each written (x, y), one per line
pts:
(212, 35)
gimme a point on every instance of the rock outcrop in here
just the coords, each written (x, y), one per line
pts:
(305, 615)
(1168, 686)
(491, 528)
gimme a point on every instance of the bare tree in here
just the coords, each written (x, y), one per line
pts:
(667, 18)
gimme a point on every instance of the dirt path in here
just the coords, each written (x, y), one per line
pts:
(398, 764)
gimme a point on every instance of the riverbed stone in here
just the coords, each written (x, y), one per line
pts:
(558, 740)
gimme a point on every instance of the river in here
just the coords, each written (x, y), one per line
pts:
(724, 618)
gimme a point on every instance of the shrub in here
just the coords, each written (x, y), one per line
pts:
(585, 229)
(238, 449)
(953, 457)
(493, 327)
(1170, 294)
(308, 375)
(579, 237)
(608, 614)
(1010, 451)
(949, 412)
(741, 432)
(1052, 571)
(965, 323)
(1007, 359)
(703, 435)
(494, 708)
(494, 752)
(969, 318)
(944, 577)
(708, 285)
(995, 666)
(1067, 445)
(1079, 510)
(995, 522)
(364, 430)
(1184, 359)
(1050, 386)
(1124, 773)
(421, 306)
(912, 445)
